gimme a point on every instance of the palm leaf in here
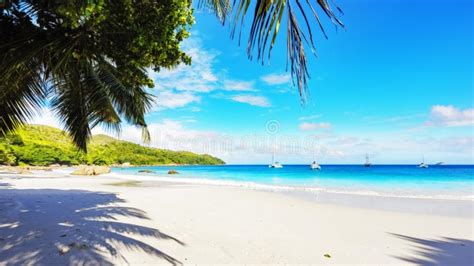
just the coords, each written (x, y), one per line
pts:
(79, 84)
(221, 8)
(70, 103)
(266, 20)
(82, 101)
(130, 101)
(22, 92)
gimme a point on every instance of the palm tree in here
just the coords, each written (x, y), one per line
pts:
(83, 90)
(86, 84)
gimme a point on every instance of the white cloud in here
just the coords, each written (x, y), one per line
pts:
(400, 120)
(310, 117)
(314, 126)
(462, 144)
(45, 117)
(450, 116)
(346, 140)
(170, 100)
(173, 135)
(197, 77)
(287, 90)
(252, 100)
(387, 147)
(208, 76)
(276, 79)
(200, 76)
(256, 148)
(238, 85)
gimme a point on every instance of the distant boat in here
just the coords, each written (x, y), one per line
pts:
(367, 162)
(315, 166)
(440, 163)
(275, 164)
(423, 164)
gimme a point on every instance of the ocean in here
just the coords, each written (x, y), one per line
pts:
(437, 181)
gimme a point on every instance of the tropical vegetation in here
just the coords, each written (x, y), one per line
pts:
(44, 145)
(88, 60)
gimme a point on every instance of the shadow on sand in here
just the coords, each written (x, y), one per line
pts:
(83, 231)
(442, 251)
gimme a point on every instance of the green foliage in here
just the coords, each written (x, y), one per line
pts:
(90, 58)
(42, 145)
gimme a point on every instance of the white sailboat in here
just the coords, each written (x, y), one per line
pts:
(275, 164)
(314, 165)
(423, 164)
(367, 162)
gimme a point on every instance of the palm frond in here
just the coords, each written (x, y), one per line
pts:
(102, 110)
(70, 104)
(49, 53)
(82, 101)
(82, 97)
(19, 102)
(132, 102)
(221, 8)
(22, 93)
(266, 20)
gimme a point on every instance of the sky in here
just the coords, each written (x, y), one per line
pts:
(396, 84)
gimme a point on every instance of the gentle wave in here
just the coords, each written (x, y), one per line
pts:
(258, 186)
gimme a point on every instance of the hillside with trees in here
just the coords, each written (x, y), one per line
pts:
(43, 145)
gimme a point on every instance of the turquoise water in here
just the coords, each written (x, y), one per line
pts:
(445, 181)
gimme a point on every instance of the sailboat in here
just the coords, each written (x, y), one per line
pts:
(423, 164)
(367, 162)
(275, 164)
(314, 165)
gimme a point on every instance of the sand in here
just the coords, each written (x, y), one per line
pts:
(91, 220)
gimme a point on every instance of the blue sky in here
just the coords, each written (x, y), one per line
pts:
(396, 84)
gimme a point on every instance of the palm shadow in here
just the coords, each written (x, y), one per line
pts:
(442, 251)
(84, 231)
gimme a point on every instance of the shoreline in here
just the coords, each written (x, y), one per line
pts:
(403, 193)
(282, 187)
(429, 205)
(66, 171)
(362, 182)
(448, 206)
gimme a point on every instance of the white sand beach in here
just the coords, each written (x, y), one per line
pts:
(77, 220)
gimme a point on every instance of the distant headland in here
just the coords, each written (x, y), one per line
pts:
(38, 145)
